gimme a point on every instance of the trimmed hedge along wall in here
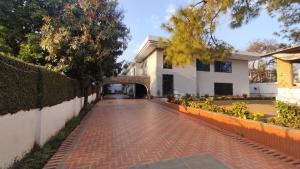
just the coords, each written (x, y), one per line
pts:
(24, 86)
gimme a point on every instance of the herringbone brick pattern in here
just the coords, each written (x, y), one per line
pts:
(119, 134)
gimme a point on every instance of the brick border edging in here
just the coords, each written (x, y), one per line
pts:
(275, 137)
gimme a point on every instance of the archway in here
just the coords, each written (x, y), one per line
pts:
(141, 83)
(124, 91)
(141, 91)
(137, 91)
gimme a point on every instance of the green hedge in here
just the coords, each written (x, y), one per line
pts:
(57, 88)
(289, 115)
(24, 86)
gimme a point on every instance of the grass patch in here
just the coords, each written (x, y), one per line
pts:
(39, 156)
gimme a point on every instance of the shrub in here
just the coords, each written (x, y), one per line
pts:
(209, 105)
(195, 104)
(271, 120)
(289, 115)
(258, 116)
(171, 98)
(245, 96)
(185, 99)
(240, 109)
(177, 101)
(224, 110)
(209, 101)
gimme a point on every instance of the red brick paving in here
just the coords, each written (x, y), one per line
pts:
(118, 134)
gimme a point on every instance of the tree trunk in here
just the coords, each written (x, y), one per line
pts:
(97, 92)
(85, 94)
(84, 88)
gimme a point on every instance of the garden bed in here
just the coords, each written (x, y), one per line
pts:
(286, 140)
(265, 106)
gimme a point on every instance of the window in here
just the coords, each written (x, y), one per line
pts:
(166, 65)
(225, 67)
(202, 66)
(223, 89)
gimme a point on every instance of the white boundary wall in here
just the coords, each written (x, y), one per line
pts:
(263, 89)
(20, 131)
(290, 95)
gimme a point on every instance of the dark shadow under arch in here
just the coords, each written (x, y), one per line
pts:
(141, 82)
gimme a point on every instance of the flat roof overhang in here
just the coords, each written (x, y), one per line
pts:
(151, 43)
(292, 50)
(147, 47)
(289, 54)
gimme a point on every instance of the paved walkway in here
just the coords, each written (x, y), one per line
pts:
(119, 134)
(116, 96)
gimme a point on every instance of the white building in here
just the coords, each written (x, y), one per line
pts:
(220, 78)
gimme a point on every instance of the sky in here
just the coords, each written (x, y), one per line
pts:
(144, 17)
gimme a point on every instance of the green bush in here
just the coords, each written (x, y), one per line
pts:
(195, 104)
(171, 98)
(209, 105)
(224, 110)
(257, 116)
(24, 86)
(289, 115)
(185, 99)
(240, 109)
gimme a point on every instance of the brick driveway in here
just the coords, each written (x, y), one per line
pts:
(118, 134)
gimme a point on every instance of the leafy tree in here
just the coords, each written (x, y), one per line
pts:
(193, 27)
(5, 49)
(192, 30)
(31, 51)
(265, 46)
(84, 41)
(18, 18)
(287, 12)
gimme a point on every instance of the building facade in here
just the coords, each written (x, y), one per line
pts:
(288, 66)
(219, 78)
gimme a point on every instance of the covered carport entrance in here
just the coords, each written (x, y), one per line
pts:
(133, 86)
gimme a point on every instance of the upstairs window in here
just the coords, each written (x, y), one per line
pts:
(225, 67)
(202, 66)
(166, 65)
